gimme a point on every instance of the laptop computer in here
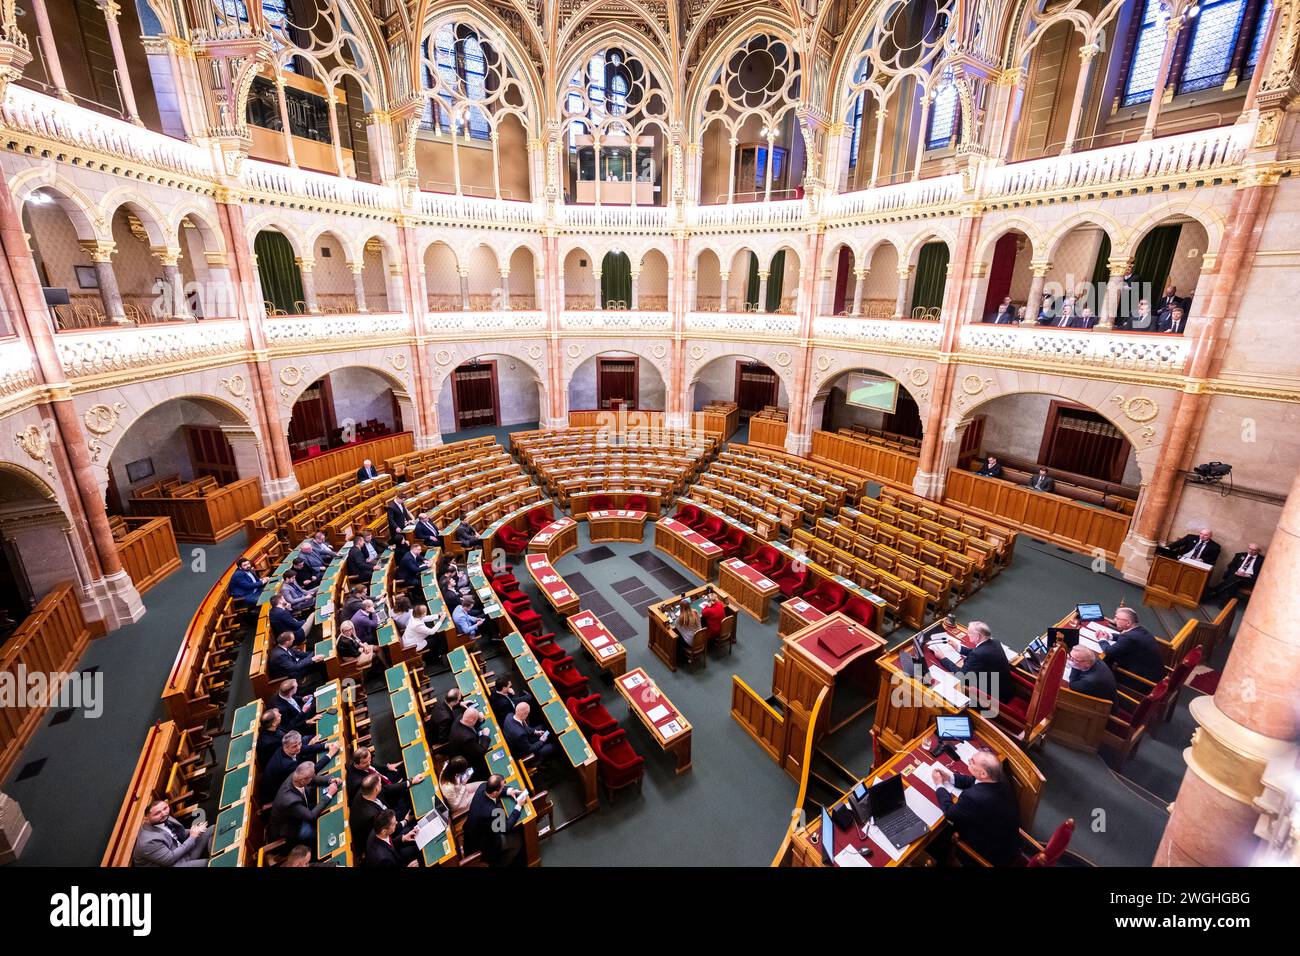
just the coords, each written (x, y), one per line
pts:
(891, 814)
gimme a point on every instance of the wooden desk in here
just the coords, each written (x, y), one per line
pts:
(662, 637)
(796, 614)
(616, 525)
(558, 594)
(610, 656)
(835, 650)
(688, 546)
(753, 591)
(1172, 582)
(669, 728)
(417, 759)
(557, 539)
(905, 705)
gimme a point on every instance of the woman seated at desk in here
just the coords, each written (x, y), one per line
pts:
(688, 623)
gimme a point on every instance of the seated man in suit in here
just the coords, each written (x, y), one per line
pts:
(165, 841)
(466, 536)
(525, 740)
(411, 567)
(366, 802)
(358, 596)
(443, 716)
(1086, 319)
(1091, 676)
(307, 576)
(1043, 481)
(285, 660)
(282, 619)
(301, 800)
(320, 546)
(1143, 320)
(1170, 300)
(363, 556)
(313, 559)
(471, 621)
(1200, 547)
(296, 712)
(392, 776)
(1241, 571)
(466, 740)
(399, 518)
(986, 662)
(367, 471)
(245, 585)
(301, 600)
(426, 532)
(1134, 648)
(489, 830)
(504, 698)
(366, 622)
(992, 468)
(1004, 314)
(387, 846)
(1174, 321)
(284, 761)
(269, 735)
(986, 817)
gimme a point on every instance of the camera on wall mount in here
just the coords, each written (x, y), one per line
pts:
(1212, 473)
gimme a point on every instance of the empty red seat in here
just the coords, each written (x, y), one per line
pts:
(539, 518)
(591, 715)
(861, 610)
(501, 581)
(544, 646)
(527, 620)
(793, 580)
(638, 502)
(600, 503)
(766, 560)
(827, 596)
(690, 516)
(568, 680)
(733, 539)
(712, 527)
(619, 765)
(512, 541)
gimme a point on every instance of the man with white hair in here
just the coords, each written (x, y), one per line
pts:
(367, 471)
(986, 660)
(1241, 571)
(984, 813)
(1134, 648)
(1198, 547)
(1090, 676)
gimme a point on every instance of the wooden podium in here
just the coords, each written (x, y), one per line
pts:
(1173, 582)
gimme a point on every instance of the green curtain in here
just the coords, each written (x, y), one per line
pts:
(775, 278)
(751, 285)
(281, 280)
(616, 280)
(931, 277)
(1101, 271)
(1154, 257)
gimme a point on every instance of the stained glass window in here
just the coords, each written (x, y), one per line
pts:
(1214, 37)
(855, 138)
(943, 115)
(1150, 47)
(1261, 30)
(461, 66)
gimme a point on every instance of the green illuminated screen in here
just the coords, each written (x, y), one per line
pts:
(871, 391)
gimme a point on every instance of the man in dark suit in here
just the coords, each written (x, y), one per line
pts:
(1241, 571)
(282, 619)
(992, 468)
(504, 698)
(1043, 481)
(269, 735)
(1169, 301)
(466, 536)
(1091, 676)
(387, 846)
(371, 798)
(392, 777)
(985, 661)
(1129, 289)
(1200, 547)
(986, 817)
(399, 518)
(301, 800)
(1173, 322)
(285, 660)
(363, 556)
(285, 761)
(426, 532)
(464, 740)
(411, 567)
(489, 830)
(367, 471)
(296, 712)
(444, 714)
(1142, 320)
(525, 740)
(1003, 315)
(245, 584)
(1134, 648)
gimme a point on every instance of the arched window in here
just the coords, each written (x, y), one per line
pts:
(461, 65)
(855, 123)
(943, 115)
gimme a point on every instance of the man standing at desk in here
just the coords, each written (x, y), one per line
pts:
(1134, 648)
(984, 814)
(986, 661)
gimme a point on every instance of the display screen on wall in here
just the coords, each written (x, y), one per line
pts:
(872, 391)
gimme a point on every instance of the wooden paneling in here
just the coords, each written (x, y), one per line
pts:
(148, 551)
(1069, 523)
(210, 517)
(310, 471)
(883, 464)
(758, 718)
(767, 431)
(50, 641)
(616, 421)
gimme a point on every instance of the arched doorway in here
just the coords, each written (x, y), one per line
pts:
(615, 281)
(613, 380)
(279, 274)
(742, 379)
(350, 404)
(488, 391)
(38, 548)
(869, 400)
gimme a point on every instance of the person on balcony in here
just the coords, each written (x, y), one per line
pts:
(992, 468)
(1174, 322)
(1005, 313)
(1143, 321)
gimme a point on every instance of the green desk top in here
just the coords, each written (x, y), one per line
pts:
(395, 677)
(325, 648)
(515, 644)
(234, 784)
(528, 665)
(557, 716)
(541, 689)
(229, 858)
(328, 726)
(403, 701)
(498, 761)
(229, 828)
(415, 759)
(423, 796)
(459, 660)
(245, 719)
(241, 748)
(327, 696)
(575, 746)
(330, 829)
(408, 729)
(467, 681)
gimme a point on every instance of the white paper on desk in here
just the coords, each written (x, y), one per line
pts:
(657, 713)
(945, 685)
(849, 856)
(965, 750)
(922, 806)
(583, 621)
(946, 651)
(670, 729)
(599, 641)
(1098, 632)
(1194, 563)
(1011, 654)
(636, 680)
(877, 836)
(429, 829)
(550, 578)
(1090, 644)
(562, 593)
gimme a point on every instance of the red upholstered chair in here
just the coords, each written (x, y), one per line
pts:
(690, 516)
(1033, 853)
(766, 560)
(1027, 716)
(827, 595)
(566, 677)
(712, 527)
(720, 626)
(544, 646)
(526, 619)
(591, 715)
(503, 581)
(619, 765)
(512, 541)
(1128, 721)
(732, 541)
(793, 581)
(539, 518)
(1178, 677)
(861, 610)
(638, 502)
(600, 503)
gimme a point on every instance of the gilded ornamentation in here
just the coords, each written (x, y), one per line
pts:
(35, 441)
(100, 419)
(1138, 409)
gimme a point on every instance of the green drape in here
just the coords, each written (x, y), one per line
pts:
(278, 272)
(616, 281)
(931, 277)
(751, 285)
(775, 279)
(1101, 270)
(1154, 257)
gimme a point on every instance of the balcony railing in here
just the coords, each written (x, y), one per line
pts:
(322, 188)
(903, 334)
(148, 348)
(623, 321)
(485, 325)
(617, 218)
(17, 369)
(1094, 348)
(360, 328)
(938, 191)
(789, 212)
(749, 325)
(475, 211)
